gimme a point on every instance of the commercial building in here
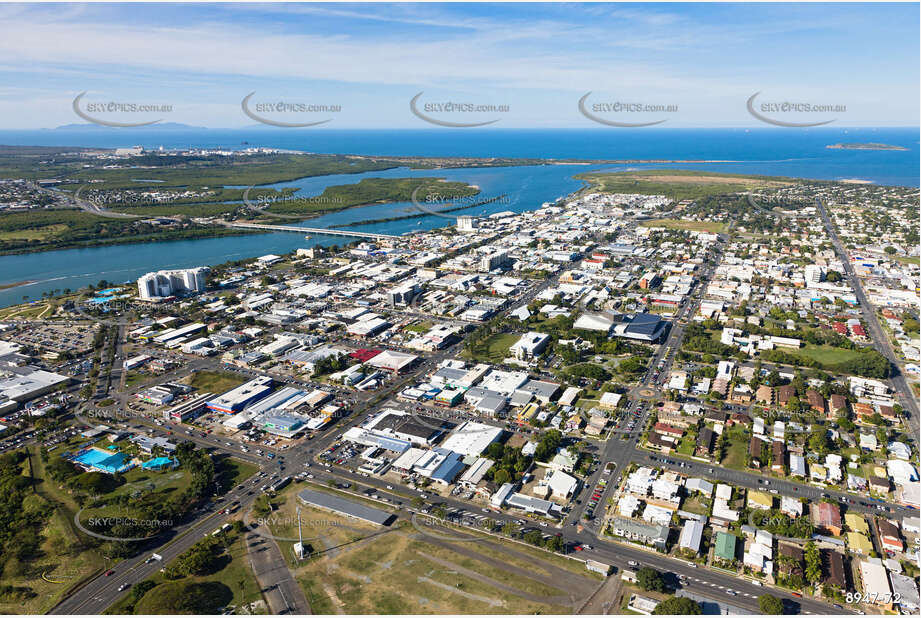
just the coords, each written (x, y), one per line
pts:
(30, 384)
(529, 345)
(403, 294)
(471, 438)
(466, 223)
(493, 261)
(647, 534)
(235, 400)
(641, 327)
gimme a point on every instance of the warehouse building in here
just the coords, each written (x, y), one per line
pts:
(236, 399)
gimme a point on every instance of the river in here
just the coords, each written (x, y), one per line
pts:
(523, 188)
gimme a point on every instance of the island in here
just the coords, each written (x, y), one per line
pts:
(865, 146)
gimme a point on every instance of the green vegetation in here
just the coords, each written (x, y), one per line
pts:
(680, 606)
(42, 555)
(769, 604)
(215, 381)
(217, 171)
(735, 445)
(44, 230)
(650, 580)
(677, 184)
(154, 499)
(694, 226)
(371, 191)
(493, 349)
(213, 574)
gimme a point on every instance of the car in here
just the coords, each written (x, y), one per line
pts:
(730, 592)
(123, 587)
(110, 572)
(633, 563)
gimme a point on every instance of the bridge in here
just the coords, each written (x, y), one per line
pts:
(311, 230)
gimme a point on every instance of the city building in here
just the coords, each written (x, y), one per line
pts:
(165, 283)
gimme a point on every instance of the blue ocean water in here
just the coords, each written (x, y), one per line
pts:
(771, 151)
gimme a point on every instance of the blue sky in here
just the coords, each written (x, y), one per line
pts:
(538, 59)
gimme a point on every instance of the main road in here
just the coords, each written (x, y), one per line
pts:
(880, 339)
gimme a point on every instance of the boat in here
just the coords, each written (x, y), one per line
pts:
(306, 236)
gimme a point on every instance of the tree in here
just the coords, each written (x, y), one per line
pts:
(769, 604)
(501, 477)
(677, 606)
(650, 579)
(890, 250)
(534, 537)
(554, 543)
(510, 528)
(813, 562)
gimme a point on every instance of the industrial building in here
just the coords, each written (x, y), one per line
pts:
(345, 507)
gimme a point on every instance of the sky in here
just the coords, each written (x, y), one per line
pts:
(696, 64)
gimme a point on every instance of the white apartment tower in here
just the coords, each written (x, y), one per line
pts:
(170, 282)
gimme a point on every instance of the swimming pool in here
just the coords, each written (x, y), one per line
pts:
(91, 457)
(104, 462)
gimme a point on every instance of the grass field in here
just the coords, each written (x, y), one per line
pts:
(494, 349)
(233, 471)
(133, 378)
(826, 354)
(714, 227)
(677, 184)
(419, 327)
(396, 573)
(67, 558)
(39, 233)
(359, 568)
(688, 443)
(737, 453)
(28, 312)
(215, 381)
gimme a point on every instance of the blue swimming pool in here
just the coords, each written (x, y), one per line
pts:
(104, 462)
(91, 457)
